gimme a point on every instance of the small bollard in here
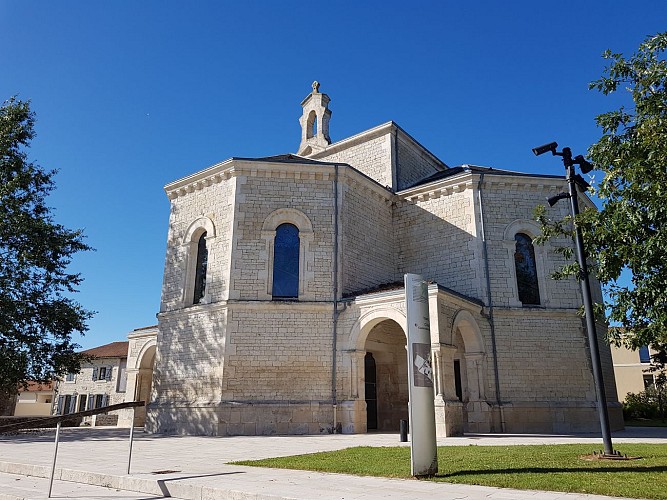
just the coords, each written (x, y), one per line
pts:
(404, 431)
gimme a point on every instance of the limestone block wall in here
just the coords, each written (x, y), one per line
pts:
(607, 363)
(436, 237)
(213, 201)
(190, 355)
(278, 351)
(413, 163)
(258, 196)
(509, 205)
(368, 255)
(372, 157)
(542, 356)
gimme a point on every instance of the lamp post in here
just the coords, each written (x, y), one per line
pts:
(572, 179)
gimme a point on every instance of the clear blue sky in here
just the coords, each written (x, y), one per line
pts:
(132, 95)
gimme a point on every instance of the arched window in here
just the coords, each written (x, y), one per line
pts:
(286, 262)
(200, 269)
(526, 270)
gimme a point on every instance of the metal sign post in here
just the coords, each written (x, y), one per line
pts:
(423, 444)
(55, 456)
(129, 458)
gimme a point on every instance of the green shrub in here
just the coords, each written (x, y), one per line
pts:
(651, 403)
(639, 406)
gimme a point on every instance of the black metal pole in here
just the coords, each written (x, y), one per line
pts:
(588, 308)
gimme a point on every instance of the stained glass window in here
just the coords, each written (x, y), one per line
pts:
(200, 270)
(286, 262)
(526, 270)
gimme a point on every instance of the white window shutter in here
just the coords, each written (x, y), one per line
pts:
(91, 401)
(105, 400)
(108, 374)
(95, 370)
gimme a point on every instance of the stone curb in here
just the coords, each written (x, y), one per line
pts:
(151, 486)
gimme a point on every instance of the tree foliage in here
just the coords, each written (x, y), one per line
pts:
(628, 235)
(37, 314)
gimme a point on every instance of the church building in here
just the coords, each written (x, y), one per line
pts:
(283, 306)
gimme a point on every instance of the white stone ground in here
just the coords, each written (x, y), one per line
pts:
(199, 469)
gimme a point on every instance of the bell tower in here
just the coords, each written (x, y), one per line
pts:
(314, 122)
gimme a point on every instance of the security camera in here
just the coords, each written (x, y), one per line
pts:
(540, 150)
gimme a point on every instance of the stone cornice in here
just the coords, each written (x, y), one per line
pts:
(519, 181)
(249, 305)
(533, 182)
(470, 180)
(397, 296)
(436, 189)
(535, 311)
(143, 333)
(235, 167)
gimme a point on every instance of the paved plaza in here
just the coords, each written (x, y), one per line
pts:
(92, 463)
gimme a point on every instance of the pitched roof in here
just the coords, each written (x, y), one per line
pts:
(113, 350)
(475, 169)
(287, 158)
(37, 387)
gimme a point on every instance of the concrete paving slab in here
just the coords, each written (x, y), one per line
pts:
(20, 487)
(196, 467)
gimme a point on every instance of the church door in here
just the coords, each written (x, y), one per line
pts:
(370, 376)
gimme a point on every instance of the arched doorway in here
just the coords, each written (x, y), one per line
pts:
(386, 359)
(144, 384)
(468, 373)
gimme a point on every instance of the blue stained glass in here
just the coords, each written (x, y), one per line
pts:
(526, 270)
(286, 262)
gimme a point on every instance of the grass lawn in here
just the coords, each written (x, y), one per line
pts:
(547, 467)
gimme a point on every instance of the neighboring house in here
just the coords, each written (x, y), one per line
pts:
(101, 382)
(631, 370)
(36, 400)
(283, 308)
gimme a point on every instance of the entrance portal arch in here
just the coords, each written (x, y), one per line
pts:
(385, 374)
(469, 369)
(144, 381)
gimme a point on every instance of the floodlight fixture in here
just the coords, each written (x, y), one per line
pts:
(552, 200)
(584, 165)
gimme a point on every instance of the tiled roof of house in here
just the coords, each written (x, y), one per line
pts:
(37, 387)
(113, 350)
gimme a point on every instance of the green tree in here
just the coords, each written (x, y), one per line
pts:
(628, 235)
(37, 314)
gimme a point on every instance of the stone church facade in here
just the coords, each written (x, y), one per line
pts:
(283, 309)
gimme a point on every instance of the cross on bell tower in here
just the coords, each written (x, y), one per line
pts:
(314, 122)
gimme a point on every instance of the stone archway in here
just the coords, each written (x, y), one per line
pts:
(385, 344)
(144, 383)
(469, 373)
